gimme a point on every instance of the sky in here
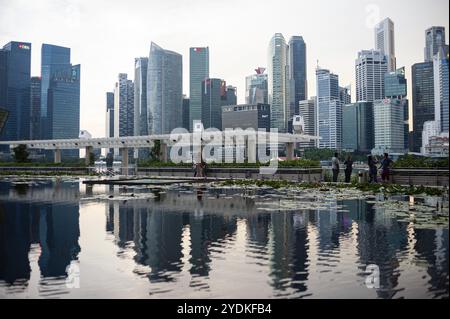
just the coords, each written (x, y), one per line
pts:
(106, 35)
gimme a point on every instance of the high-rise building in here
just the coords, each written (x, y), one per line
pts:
(231, 95)
(370, 69)
(297, 73)
(244, 116)
(344, 95)
(385, 42)
(15, 65)
(278, 82)
(395, 87)
(434, 42)
(109, 114)
(63, 106)
(307, 110)
(165, 90)
(214, 97)
(389, 126)
(256, 87)
(140, 97)
(53, 59)
(35, 116)
(185, 112)
(123, 107)
(423, 99)
(329, 117)
(441, 101)
(198, 72)
(358, 127)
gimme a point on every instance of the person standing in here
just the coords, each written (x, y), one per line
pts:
(372, 169)
(385, 167)
(348, 168)
(335, 167)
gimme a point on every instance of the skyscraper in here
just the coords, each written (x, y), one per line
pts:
(53, 59)
(385, 42)
(35, 117)
(307, 109)
(256, 87)
(198, 72)
(185, 112)
(214, 96)
(441, 99)
(329, 117)
(15, 63)
(434, 42)
(231, 95)
(165, 90)
(370, 69)
(63, 106)
(344, 95)
(297, 73)
(110, 116)
(123, 107)
(278, 82)
(389, 126)
(423, 99)
(358, 127)
(140, 97)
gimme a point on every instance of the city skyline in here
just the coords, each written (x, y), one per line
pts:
(97, 48)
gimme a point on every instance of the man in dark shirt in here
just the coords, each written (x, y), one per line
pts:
(385, 165)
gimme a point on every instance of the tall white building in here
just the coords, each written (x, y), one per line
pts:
(370, 67)
(441, 91)
(385, 42)
(430, 128)
(307, 110)
(389, 126)
(140, 97)
(278, 82)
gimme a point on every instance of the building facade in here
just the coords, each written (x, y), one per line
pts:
(185, 112)
(441, 90)
(307, 110)
(358, 127)
(198, 72)
(385, 42)
(256, 87)
(123, 107)
(371, 66)
(35, 105)
(329, 117)
(165, 90)
(140, 97)
(278, 82)
(214, 96)
(297, 73)
(389, 126)
(244, 116)
(434, 42)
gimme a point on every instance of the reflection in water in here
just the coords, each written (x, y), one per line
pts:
(189, 241)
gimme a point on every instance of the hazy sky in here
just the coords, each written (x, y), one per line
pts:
(106, 35)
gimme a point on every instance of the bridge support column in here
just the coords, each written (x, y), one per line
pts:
(57, 154)
(87, 159)
(251, 149)
(124, 154)
(289, 151)
(164, 152)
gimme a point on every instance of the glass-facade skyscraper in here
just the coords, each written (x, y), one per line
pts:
(297, 73)
(214, 96)
(423, 99)
(53, 59)
(165, 90)
(441, 90)
(198, 72)
(278, 82)
(329, 117)
(15, 66)
(140, 97)
(35, 120)
(124, 107)
(385, 42)
(256, 87)
(370, 68)
(307, 110)
(434, 42)
(358, 127)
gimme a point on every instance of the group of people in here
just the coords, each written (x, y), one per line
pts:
(385, 165)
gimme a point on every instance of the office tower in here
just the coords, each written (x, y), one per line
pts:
(35, 105)
(15, 63)
(358, 127)
(423, 99)
(140, 97)
(185, 112)
(297, 73)
(385, 42)
(244, 116)
(278, 88)
(165, 90)
(3, 118)
(395, 87)
(370, 69)
(389, 126)
(109, 114)
(256, 87)
(231, 95)
(329, 117)
(434, 42)
(441, 102)
(198, 72)
(307, 110)
(123, 107)
(214, 97)
(63, 106)
(430, 129)
(344, 95)
(53, 59)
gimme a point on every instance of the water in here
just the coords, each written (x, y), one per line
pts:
(61, 239)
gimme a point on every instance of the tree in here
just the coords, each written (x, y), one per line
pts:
(156, 150)
(21, 154)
